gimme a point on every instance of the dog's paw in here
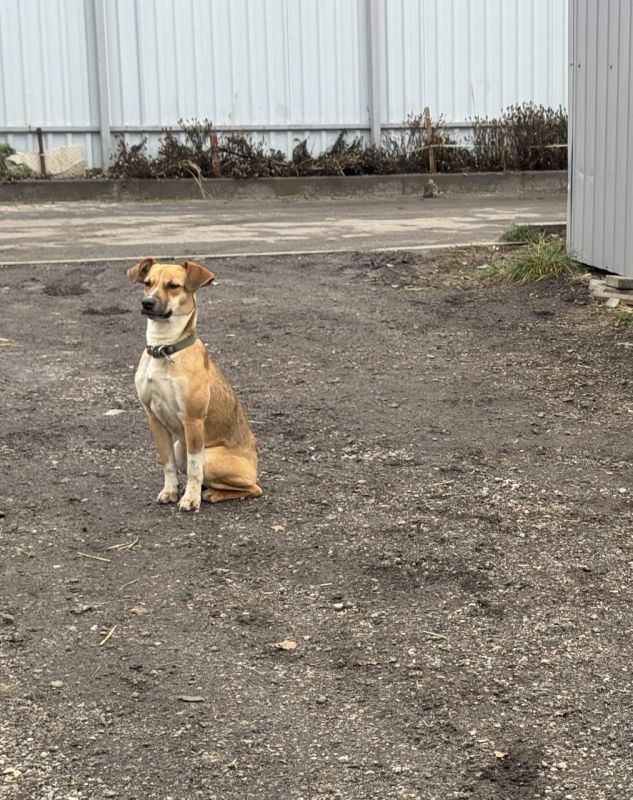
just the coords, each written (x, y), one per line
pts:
(189, 503)
(168, 496)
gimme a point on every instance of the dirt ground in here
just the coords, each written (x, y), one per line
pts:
(445, 534)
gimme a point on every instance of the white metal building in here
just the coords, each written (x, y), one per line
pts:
(600, 216)
(85, 70)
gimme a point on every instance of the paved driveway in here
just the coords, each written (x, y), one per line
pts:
(86, 231)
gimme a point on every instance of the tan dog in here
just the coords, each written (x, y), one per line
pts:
(196, 420)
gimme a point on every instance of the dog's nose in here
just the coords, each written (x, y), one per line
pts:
(148, 303)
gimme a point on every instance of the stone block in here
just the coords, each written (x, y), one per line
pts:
(619, 282)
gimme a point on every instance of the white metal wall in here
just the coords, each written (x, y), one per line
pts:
(600, 230)
(48, 75)
(277, 64)
(284, 69)
(466, 58)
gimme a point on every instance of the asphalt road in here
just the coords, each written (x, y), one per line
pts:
(64, 232)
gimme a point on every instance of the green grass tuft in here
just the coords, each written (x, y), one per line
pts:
(624, 316)
(545, 258)
(521, 233)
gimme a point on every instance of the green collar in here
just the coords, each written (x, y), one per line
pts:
(167, 350)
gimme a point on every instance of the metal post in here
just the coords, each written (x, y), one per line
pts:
(374, 70)
(103, 81)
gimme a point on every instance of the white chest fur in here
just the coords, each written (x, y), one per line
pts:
(158, 390)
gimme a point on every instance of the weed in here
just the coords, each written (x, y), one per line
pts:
(8, 171)
(520, 234)
(624, 316)
(545, 258)
(492, 271)
(5, 151)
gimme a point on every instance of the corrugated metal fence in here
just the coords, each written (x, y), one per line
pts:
(85, 70)
(600, 229)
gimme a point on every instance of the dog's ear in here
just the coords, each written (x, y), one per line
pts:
(138, 272)
(197, 276)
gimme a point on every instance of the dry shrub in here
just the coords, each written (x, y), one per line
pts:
(241, 156)
(410, 151)
(525, 137)
(520, 139)
(132, 161)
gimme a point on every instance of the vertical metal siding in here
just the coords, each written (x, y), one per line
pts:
(466, 58)
(601, 116)
(238, 63)
(271, 65)
(47, 71)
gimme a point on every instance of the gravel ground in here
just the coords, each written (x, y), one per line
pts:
(445, 536)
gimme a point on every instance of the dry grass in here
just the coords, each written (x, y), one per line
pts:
(524, 234)
(545, 258)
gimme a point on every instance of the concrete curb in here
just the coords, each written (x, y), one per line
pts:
(113, 190)
(202, 257)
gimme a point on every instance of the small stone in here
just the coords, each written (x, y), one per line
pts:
(113, 412)
(287, 644)
(81, 609)
(612, 302)
(338, 606)
(8, 619)
(321, 699)
(191, 698)
(57, 684)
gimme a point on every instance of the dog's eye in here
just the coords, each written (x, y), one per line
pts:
(173, 286)
(147, 283)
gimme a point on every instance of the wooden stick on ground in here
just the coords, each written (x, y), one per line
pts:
(95, 558)
(108, 635)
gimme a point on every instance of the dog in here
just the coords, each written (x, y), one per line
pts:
(197, 422)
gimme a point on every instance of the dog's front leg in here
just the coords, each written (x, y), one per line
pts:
(194, 438)
(165, 445)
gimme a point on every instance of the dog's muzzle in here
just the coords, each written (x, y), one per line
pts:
(151, 308)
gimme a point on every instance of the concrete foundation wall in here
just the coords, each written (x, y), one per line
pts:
(510, 183)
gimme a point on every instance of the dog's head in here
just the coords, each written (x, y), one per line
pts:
(169, 288)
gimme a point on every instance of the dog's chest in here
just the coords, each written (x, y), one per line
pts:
(158, 390)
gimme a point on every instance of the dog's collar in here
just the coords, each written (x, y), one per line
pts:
(167, 350)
